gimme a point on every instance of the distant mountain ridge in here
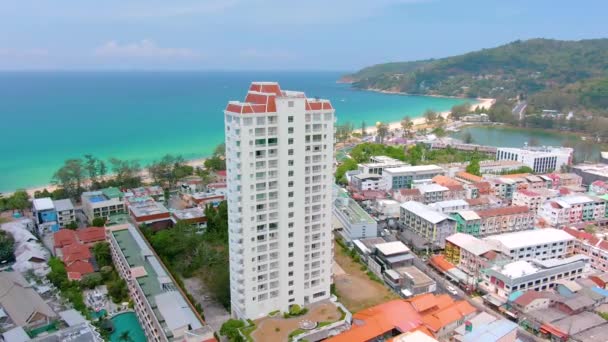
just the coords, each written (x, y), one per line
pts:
(521, 67)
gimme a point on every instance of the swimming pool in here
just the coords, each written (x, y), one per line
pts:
(127, 322)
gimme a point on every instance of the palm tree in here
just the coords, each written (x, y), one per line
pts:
(125, 336)
(407, 125)
(382, 131)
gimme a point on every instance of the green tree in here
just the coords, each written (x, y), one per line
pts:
(363, 128)
(407, 124)
(473, 167)
(72, 225)
(118, 291)
(382, 131)
(102, 254)
(7, 247)
(91, 280)
(42, 194)
(70, 176)
(126, 172)
(230, 329)
(90, 164)
(98, 222)
(19, 201)
(347, 165)
(430, 116)
(460, 110)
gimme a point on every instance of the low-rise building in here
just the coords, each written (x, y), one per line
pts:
(533, 199)
(393, 254)
(163, 310)
(21, 303)
(591, 172)
(366, 181)
(357, 223)
(485, 202)
(573, 209)
(500, 281)
(541, 244)
(45, 215)
(504, 220)
(565, 180)
(387, 208)
(65, 212)
(467, 221)
(503, 187)
(532, 300)
(427, 223)
(103, 203)
(598, 188)
(378, 163)
(540, 159)
(432, 193)
(409, 281)
(450, 206)
(145, 210)
(593, 247)
(403, 177)
(155, 192)
(469, 253)
(195, 216)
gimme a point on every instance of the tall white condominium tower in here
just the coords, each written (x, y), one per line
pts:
(279, 155)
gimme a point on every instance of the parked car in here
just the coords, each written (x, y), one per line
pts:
(451, 290)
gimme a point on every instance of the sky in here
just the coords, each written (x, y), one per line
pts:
(341, 35)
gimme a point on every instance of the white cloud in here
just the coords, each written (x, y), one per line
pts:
(144, 49)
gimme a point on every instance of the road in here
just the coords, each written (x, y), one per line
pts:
(519, 110)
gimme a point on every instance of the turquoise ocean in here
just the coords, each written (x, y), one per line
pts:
(48, 117)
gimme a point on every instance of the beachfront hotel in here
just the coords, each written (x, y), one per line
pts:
(162, 309)
(279, 155)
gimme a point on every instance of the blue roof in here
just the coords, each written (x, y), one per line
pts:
(490, 332)
(600, 290)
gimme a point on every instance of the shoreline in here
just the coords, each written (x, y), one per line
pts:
(420, 122)
(144, 174)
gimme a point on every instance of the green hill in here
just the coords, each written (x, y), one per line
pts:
(521, 67)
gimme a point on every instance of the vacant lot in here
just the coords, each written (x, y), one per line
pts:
(278, 329)
(354, 288)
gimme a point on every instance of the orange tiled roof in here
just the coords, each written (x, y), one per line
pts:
(91, 234)
(469, 176)
(79, 268)
(437, 320)
(445, 180)
(375, 321)
(440, 262)
(64, 237)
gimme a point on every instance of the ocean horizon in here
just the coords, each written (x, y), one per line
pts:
(51, 116)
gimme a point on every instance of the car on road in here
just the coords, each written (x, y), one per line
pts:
(451, 290)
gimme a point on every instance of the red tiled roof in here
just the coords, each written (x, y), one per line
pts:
(91, 234)
(455, 187)
(512, 210)
(64, 237)
(75, 252)
(445, 180)
(79, 267)
(477, 201)
(409, 192)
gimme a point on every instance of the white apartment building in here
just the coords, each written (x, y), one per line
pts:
(540, 159)
(65, 212)
(357, 223)
(573, 209)
(541, 244)
(539, 275)
(378, 163)
(405, 176)
(365, 181)
(279, 155)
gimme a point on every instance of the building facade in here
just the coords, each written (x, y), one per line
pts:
(541, 244)
(539, 275)
(279, 157)
(539, 159)
(103, 203)
(427, 223)
(403, 177)
(573, 209)
(504, 220)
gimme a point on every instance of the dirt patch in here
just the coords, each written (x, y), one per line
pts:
(278, 329)
(354, 288)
